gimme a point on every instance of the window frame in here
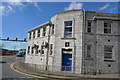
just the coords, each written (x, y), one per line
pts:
(34, 34)
(108, 52)
(107, 27)
(53, 29)
(30, 35)
(28, 50)
(44, 31)
(51, 49)
(89, 51)
(89, 27)
(38, 33)
(67, 33)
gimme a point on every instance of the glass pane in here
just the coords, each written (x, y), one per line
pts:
(105, 24)
(68, 34)
(108, 48)
(68, 29)
(108, 55)
(68, 23)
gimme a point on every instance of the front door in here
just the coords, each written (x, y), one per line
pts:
(66, 62)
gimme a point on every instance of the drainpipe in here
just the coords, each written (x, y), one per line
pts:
(48, 45)
(83, 41)
(95, 45)
(74, 48)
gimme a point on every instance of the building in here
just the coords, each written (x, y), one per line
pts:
(78, 41)
(8, 52)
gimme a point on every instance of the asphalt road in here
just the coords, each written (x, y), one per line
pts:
(9, 74)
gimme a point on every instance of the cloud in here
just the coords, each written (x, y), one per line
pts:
(13, 5)
(104, 7)
(74, 5)
(37, 6)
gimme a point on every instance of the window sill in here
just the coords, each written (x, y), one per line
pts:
(36, 54)
(109, 60)
(89, 33)
(68, 38)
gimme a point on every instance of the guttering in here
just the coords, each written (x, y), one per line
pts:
(47, 23)
(105, 18)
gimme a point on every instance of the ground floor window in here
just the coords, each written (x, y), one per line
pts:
(108, 52)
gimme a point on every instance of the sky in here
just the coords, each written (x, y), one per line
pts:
(19, 17)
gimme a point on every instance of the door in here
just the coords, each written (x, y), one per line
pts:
(66, 62)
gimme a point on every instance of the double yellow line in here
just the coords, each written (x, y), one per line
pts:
(12, 67)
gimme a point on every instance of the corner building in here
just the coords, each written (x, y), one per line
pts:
(78, 41)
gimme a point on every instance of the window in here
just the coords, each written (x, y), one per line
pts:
(107, 27)
(51, 49)
(37, 51)
(29, 36)
(68, 29)
(44, 31)
(34, 34)
(38, 35)
(32, 50)
(42, 49)
(52, 28)
(89, 26)
(108, 52)
(66, 44)
(28, 49)
(89, 51)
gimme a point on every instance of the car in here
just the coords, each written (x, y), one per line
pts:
(20, 54)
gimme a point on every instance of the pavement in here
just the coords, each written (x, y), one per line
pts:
(59, 75)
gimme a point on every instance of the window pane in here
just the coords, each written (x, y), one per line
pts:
(105, 24)
(108, 48)
(68, 23)
(89, 23)
(68, 34)
(108, 55)
(108, 51)
(89, 30)
(68, 29)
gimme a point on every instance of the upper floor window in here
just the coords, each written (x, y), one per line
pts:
(108, 52)
(53, 29)
(44, 31)
(37, 49)
(32, 50)
(34, 34)
(89, 26)
(42, 49)
(38, 35)
(107, 27)
(68, 29)
(29, 35)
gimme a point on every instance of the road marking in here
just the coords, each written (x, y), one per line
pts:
(24, 73)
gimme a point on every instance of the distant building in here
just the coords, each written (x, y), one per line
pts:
(9, 52)
(78, 41)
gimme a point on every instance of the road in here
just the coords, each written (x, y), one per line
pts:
(9, 74)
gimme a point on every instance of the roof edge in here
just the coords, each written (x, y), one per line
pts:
(39, 26)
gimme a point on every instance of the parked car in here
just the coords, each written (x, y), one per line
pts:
(20, 54)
